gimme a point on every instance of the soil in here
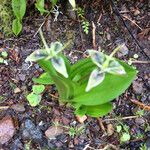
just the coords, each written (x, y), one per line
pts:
(111, 30)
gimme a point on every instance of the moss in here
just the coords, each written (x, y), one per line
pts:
(5, 17)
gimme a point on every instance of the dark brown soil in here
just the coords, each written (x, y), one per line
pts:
(111, 30)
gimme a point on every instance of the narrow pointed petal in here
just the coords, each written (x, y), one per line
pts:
(59, 64)
(37, 55)
(55, 48)
(95, 79)
(115, 68)
(97, 57)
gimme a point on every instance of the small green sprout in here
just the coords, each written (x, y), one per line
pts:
(123, 130)
(34, 97)
(4, 54)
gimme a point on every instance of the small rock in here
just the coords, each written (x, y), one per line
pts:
(18, 107)
(123, 51)
(65, 120)
(22, 77)
(16, 145)
(139, 121)
(53, 131)
(30, 131)
(81, 119)
(138, 87)
(7, 129)
(17, 90)
(110, 129)
(137, 12)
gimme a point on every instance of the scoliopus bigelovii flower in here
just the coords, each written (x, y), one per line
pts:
(105, 64)
(50, 53)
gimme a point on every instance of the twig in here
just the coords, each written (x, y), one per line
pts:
(4, 107)
(101, 125)
(99, 18)
(41, 25)
(123, 118)
(141, 62)
(141, 105)
(54, 96)
(120, 17)
(132, 22)
(93, 35)
(105, 148)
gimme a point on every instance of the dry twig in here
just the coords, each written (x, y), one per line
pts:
(123, 118)
(93, 35)
(140, 104)
(100, 122)
(132, 22)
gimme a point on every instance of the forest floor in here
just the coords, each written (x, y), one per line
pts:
(126, 127)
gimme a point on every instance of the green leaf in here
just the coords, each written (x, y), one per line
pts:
(99, 110)
(19, 8)
(40, 6)
(34, 99)
(65, 86)
(125, 137)
(44, 78)
(16, 26)
(110, 88)
(54, 2)
(94, 111)
(119, 128)
(81, 67)
(38, 89)
(1, 60)
(4, 54)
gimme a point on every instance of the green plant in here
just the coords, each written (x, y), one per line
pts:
(123, 130)
(3, 56)
(19, 9)
(40, 6)
(34, 97)
(85, 24)
(90, 84)
(71, 130)
(144, 147)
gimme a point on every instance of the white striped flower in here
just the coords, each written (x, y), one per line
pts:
(50, 53)
(105, 64)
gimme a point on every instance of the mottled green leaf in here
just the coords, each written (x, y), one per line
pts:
(34, 99)
(38, 89)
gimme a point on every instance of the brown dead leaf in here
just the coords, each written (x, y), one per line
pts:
(14, 56)
(110, 129)
(81, 119)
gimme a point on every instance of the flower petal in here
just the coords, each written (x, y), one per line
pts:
(55, 48)
(115, 68)
(97, 57)
(59, 64)
(95, 79)
(37, 55)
